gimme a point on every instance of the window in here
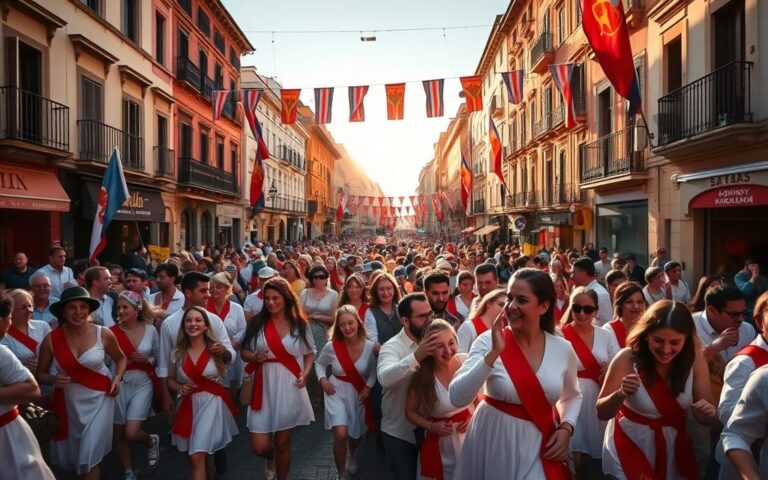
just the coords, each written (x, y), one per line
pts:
(186, 5)
(218, 77)
(94, 5)
(673, 61)
(560, 25)
(218, 41)
(91, 100)
(203, 23)
(234, 59)
(728, 27)
(131, 148)
(233, 161)
(160, 38)
(220, 152)
(131, 20)
(604, 112)
(182, 44)
(204, 145)
(162, 132)
(185, 140)
(578, 89)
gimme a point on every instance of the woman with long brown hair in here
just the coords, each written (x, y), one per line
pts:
(487, 311)
(429, 405)
(205, 415)
(649, 387)
(705, 283)
(292, 273)
(348, 408)
(280, 352)
(460, 302)
(562, 296)
(354, 293)
(381, 320)
(628, 306)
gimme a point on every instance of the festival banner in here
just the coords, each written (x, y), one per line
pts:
(340, 208)
(356, 105)
(407, 209)
(251, 99)
(289, 104)
(392, 211)
(219, 98)
(449, 198)
(401, 199)
(395, 100)
(323, 105)
(494, 140)
(436, 207)
(466, 182)
(514, 83)
(561, 74)
(473, 92)
(434, 91)
(375, 211)
(412, 198)
(370, 200)
(381, 201)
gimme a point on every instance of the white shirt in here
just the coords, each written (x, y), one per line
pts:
(707, 334)
(59, 279)
(466, 335)
(601, 269)
(737, 372)
(103, 314)
(177, 301)
(681, 293)
(397, 364)
(604, 310)
(253, 303)
(169, 332)
(750, 418)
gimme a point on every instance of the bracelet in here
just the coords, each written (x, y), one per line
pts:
(567, 427)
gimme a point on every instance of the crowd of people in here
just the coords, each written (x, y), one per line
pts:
(465, 360)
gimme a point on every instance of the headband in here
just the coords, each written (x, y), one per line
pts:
(131, 297)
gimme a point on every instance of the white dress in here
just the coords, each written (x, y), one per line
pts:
(134, 401)
(235, 324)
(37, 330)
(588, 431)
(90, 414)
(642, 435)
(498, 445)
(343, 407)
(213, 425)
(284, 406)
(466, 335)
(21, 453)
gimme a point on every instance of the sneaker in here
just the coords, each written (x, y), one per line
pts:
(129, 475)
(153, 454)
(351, 464)
(270, 471)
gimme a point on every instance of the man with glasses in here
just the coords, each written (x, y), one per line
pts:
(42, 300)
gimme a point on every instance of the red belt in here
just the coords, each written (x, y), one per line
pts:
(9, 416)
(431, 460)
(256, 369)
(513, 409)
(370, 420)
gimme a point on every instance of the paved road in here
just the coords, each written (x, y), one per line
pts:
(312, 457)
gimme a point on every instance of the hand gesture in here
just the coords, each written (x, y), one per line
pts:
(260, 356)
(218, 349)
(704, 409)
(186, 389)
(462, 427)
(114, 389)
(328, 387)
(427, 346)
(364, 394)
(138, 357)
(629, 384)
(443, 427)
(301, 382)
(557, 446)
(61, 380)
(728, 338)
(497, 332)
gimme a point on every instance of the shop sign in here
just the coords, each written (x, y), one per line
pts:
(142, 205)
(230, 211)
(739, 195)
(555, 218)
(24, 189)
(519, 223)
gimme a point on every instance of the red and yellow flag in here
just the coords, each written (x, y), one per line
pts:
(473, 92)
(395, 101)
(289, 101)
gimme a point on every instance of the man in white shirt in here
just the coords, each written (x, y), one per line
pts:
(169, 297)
(42, 300)
(61, 277)
(679, 289)
(255, 301)
(136, 281)
(602, 266)
(746, 426)
(584, 275)
(399, 359)
(98, 281)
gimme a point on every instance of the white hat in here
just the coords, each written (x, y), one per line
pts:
(443, 264)
(266, 273)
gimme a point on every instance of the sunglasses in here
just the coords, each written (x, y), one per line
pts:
(320, 277)
(589, 310)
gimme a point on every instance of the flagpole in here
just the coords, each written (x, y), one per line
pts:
(647, 132)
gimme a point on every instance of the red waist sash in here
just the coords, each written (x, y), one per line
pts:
(591, 366)
(128, 350)
(353, 376)
(23, 338)
(275, 344)
(78, 373)
(757, 354)
(431, 460)
(182, 424)
(9, 416)
(620, 331)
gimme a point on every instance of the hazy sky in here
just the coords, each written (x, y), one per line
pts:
(392, 152)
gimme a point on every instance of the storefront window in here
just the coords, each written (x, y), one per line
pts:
(623, 228)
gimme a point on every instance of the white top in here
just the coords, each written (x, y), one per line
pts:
(557, 375)
(750, 418)
(169, 332)
(234, 322)
(59, 279)
(462, 309)
(604, 347)
(37, 329)
(365, 364)
(604, 309)
(651, 298)
(103, 315)
(707, 334)
(45, 314)
(253, 303)
(11, 373)
(396, 366)
(737, 372)
(602, 268)
(176, 303)
(466, 335)
(324, 306)
(681, 292)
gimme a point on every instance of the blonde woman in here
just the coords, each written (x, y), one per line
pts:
(25, 335)
(233, 316)
(490, 307)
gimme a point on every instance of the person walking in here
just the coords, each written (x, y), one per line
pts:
(231, 313)
(628, 306)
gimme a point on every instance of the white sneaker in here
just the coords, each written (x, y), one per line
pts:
(153, 455)
(129, 475)
(270, 471)
(351, 463)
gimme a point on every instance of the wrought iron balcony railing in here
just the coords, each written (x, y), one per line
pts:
(188, 72)
(165, 162)
(618, 153)
(97, 140)
(194, 173)
(541, 46)
(32, 118)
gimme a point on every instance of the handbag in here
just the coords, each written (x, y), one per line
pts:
(44, 423)
(246, 390)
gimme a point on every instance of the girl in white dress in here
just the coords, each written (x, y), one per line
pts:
(139, 341)
(649, 386)
(205, 415)
(347, 410)
(84, 394)
(429, 406)
(280, 352)
(594, 347)
(489, 308)
(526, 369)
(233, 316)
(21, 453)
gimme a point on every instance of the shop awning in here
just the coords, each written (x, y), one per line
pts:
(487, 229)
(468, 230)
(25, 189)
(143, 205)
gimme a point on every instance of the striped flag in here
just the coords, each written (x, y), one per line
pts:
(514, 82)
(395, 97)
(494, 140)
(250, 102)
(473, 92)
(323, 104)
(434, 91)
(112, 195)
(466, 181)
(561, 74)
(356, 105)
(289, 103)
(219, 99)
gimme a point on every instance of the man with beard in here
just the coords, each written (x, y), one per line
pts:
(437, 288)
(399, 359)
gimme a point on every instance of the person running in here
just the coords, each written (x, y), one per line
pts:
(231, 313)
(486, 313)
(527, 371)
(594, 347)
(205, 414)
(138, 339)
(628, 306)
(348, 407)
(429, 405)
(647, 391)
(280, 351)
(84, 397)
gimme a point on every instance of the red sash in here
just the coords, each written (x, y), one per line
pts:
(275, 344)
(362, 311)
(352, 376)
(431, 460)
(23, 338)
(224, 310)
(9, 416)
(128, 349)
(591, 369)
(634, 461)
(78, 374)
(534, 401)
(159, 301)
(479, 325)
(451, 307)
(182, 424)
(621, 332)
(757, 354)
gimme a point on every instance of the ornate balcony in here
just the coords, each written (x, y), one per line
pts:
(188, 72)
(32, 121)
(202, 175)
(97, 140)
(542, 52)
(165, 163)
(615, 158)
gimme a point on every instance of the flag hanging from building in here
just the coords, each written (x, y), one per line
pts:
(391, 200)
(323, 105)
(514, 83)
(434, 91)
(395, 103)
(466, 181)
(494, 140)
(561, 74)
(250, 102)
(370, 200)
(289, 104)
(605, 27)
(112, 195)
(219, 98)
(473, 92)
(449, 198)
(356, 105)
(436, 207)
(340, 208)
(401, 199)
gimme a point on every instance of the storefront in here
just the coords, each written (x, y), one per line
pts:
(621, 224)
(228, 221)
(31, 204)
(556, 229)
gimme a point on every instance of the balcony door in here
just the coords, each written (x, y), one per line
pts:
(729, 83)
(91, 129)
(132, 143)
(605, 126)
(25, 105)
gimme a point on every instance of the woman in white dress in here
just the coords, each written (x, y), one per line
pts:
(528, 373)
(487, 311)
(21, 453)
(139, 341)
(233, 316)
(648, 388)
(319, 304)
(280, 352)
(459, 304)
(205, 415)
(348, 407)
(429, 405)
(594, 347)
(628, 306)
(84, 395)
